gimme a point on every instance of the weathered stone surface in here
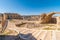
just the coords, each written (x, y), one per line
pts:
(46, 18)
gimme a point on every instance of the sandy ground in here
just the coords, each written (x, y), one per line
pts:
(37, 33)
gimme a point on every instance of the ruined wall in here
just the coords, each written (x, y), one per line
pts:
(54, 20)
(4, 18)
(31, 17)
(13, 16)
(58, 22)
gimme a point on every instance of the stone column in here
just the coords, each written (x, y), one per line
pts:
(4, 17)
(58, 22)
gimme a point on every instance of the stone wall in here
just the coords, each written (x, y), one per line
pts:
(58, 22)
(54, 20)
(13, 16)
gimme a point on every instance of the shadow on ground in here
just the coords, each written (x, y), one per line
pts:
(17, 37)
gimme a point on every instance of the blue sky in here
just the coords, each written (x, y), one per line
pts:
(30, 7)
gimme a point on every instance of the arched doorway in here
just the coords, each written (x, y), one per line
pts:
(56, 18)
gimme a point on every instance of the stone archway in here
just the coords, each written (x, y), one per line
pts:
(47, 18)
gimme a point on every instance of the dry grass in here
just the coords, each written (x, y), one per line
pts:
(50, 25)
(8, 32)
(58, 29)
(48, 28)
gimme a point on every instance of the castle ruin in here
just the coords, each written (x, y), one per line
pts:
(44, 18)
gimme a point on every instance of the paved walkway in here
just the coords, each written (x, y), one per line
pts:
(38, 34)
